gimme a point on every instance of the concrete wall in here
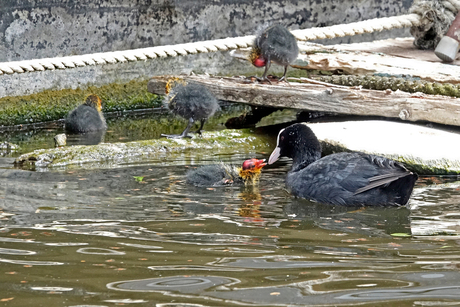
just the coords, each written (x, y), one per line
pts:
(32, 29)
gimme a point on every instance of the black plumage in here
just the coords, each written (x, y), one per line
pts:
(276, 44)
(191, 101)
(224, 174)
(87, 117)
(346, 178)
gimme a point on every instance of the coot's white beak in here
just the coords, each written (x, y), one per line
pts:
(274, 156)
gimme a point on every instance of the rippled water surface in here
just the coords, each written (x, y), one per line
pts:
(105, 237)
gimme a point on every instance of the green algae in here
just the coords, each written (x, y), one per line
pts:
(110, 154)
(53, 105)
(148, 124)
(410, 85)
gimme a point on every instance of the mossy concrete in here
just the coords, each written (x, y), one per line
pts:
(111, 154)
(427, 151)
(423, 150)
(52, 105)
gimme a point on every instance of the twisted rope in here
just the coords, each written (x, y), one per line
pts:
(367, 26)
(355, 28)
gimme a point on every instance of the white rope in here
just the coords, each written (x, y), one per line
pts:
(367, 26)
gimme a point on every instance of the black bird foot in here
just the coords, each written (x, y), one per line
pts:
(176, 136)
(196, 132)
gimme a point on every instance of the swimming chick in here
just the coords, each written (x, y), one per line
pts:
(192, 101)
(86, 117)
(277, 44)
(224, 174)
(346, 178)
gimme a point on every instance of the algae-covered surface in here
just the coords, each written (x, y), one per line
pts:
(54, 105)
(209, 143)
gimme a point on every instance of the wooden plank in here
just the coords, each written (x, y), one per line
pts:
(390, 57)
(370, 61)
(318, 96)
(400, 47)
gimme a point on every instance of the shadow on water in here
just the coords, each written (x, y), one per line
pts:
(140, 234)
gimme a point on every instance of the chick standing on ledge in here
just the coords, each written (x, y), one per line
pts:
(191, 101)
(223, 174)
(87, 117)
(276, 44)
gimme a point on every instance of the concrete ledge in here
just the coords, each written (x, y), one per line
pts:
(424, 150)
(113, 154)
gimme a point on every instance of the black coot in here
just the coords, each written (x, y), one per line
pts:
(224, 174)
(344, 178)
(87, 117)
(276, 44)
(192, 101)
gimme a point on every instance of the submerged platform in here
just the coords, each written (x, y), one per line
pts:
(424, 150)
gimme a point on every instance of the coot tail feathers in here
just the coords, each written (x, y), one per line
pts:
(382, 180)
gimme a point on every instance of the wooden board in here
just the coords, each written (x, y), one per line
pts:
(318, 96)
(394, 57)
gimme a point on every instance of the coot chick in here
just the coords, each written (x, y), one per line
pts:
(346, 178)
(277, 44)
(191, 101)
(87, 117)
(224, 174)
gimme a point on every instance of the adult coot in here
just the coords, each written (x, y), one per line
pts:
(191, 101)
(276, 44)
(224, 174)
(346, 178)
(87, 117)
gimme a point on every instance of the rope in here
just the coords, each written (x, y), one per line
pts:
(143, 54)
(436, 16)
(355, 28)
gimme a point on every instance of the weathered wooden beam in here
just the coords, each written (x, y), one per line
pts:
(394, 57)
(305, 94)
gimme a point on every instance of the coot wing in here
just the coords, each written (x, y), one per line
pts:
(352, 179)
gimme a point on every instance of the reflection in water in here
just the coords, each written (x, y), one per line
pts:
(435, 210)
(368, 220)
(30, 262)
(10, 251)
(99, 251)
(182, 284)
(89, 138)
(301, 292)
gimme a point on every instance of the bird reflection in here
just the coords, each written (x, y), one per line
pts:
(367, 220)
(89, 138)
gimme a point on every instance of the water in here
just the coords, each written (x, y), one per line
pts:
(99, 237)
